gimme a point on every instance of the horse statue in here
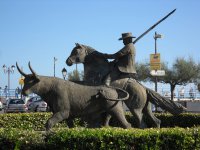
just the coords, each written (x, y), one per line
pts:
(96, 67)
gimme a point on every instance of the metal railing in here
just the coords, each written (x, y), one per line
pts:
(187, 94)
(13, 93)
(9, 93)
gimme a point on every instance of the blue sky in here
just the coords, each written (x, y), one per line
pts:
(39, 30)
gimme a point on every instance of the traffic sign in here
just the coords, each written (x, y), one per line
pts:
(157, 72)
(155, 61)
(155, 58)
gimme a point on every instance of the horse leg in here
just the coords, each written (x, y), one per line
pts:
(136, 103)
(148, 112)
(55, 118)
(139, 118)
(118, 113)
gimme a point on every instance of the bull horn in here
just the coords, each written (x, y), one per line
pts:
(20, 71)
(33, 72)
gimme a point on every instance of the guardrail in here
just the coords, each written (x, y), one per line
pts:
(186, 95)
(10, 93)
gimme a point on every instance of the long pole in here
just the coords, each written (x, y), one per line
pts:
(8, 78)
(21, 84)
(153, 26)
(54, 67)
(156, 79)
(76, 72)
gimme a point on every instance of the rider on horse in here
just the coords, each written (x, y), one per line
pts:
(124, 60)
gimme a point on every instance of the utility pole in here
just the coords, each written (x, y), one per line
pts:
(156, 36)
(54, 67)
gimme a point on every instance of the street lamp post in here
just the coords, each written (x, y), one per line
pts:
(156, 36)
(8, 70)
(54, 66)
(64, 73)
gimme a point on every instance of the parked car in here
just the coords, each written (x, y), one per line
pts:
(1, 105)
(15, 105)
(32, 99)
(4, 100)
(36, 104)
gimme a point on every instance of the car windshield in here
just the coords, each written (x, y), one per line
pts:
(16, 101)
(33, 99)
(39, 100)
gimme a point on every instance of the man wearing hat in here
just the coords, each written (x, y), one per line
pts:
(124, 59)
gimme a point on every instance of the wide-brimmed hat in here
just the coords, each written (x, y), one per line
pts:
(126, 35)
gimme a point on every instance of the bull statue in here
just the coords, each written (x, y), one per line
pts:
(68, 100)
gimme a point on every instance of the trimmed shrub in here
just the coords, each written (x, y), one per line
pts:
(36, 121)
(183, 120)
(26, 132)
(168, 120)
(30, 121)
(103, 139)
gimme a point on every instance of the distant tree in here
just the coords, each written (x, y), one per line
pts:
(75, 75)
(143, 72)
(182, 72)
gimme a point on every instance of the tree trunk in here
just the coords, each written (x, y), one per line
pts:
(172, 88)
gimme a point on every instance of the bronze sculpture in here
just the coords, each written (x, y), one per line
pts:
(96, 66)
(66, 103)
(121, 73)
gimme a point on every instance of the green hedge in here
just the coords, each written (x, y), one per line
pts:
(36, 121)
(167, 120)
(183, 120)
(22, 131)
(33, 121)
(103, 139)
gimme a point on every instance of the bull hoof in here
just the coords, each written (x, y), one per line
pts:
(47, 126)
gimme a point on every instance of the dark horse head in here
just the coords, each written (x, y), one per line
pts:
(84, 54)
(95, 65)
(77, 55)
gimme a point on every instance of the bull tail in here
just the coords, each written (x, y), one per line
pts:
(164, 103)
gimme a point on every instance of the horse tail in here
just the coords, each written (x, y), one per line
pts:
(164, 103)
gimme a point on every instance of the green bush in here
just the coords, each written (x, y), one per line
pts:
(168, 120)
(183, 120)
(26, 131)
(103, 139)
(33, 121)
(36, 121)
